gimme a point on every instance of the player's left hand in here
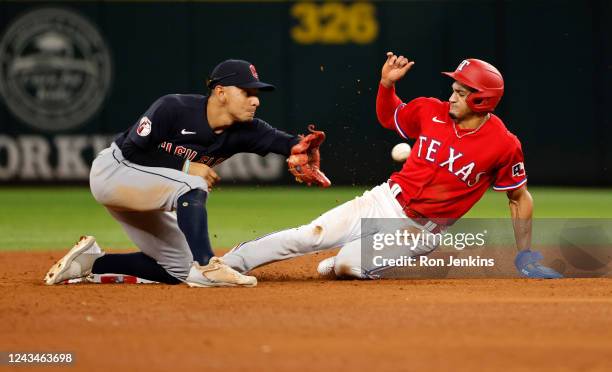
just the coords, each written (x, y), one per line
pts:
(207, 173)
(305, 159)
(394, 69)
(527, 262)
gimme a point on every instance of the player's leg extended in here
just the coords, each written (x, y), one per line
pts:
(332, 229)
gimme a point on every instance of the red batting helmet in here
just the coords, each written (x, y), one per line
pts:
(485, 79)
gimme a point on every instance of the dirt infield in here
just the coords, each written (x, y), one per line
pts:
(294, 321)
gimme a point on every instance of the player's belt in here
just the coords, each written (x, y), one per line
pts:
(428, 224)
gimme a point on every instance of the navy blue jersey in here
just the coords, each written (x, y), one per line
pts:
(175, 129)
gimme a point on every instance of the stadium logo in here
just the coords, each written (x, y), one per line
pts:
(55, 69)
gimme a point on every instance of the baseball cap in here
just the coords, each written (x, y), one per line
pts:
(238, 73)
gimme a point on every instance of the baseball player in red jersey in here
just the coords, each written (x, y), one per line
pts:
(461, 150)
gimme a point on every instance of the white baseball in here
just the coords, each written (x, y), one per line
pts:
(400, 152)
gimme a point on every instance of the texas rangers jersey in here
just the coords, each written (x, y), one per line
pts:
(175, 129)
(449, 168)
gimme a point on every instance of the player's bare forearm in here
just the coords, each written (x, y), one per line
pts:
(521, 210)
(386, 82)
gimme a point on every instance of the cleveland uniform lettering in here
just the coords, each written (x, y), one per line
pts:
(462, 149)
(155, 178)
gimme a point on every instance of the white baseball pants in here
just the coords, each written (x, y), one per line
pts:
(339, 227)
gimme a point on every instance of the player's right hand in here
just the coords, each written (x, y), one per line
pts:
(527, 263)
(394, 69)
(207, 173)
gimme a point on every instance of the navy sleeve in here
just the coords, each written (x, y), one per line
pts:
(141, 145)
(261, 138)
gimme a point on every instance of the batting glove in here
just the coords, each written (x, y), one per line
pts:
(527, 263)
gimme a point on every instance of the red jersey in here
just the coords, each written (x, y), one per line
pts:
(449, 168)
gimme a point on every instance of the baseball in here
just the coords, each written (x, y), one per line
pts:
(400, 152)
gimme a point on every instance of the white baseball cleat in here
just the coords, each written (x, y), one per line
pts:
(326, 267)
(77, 263)
(217, 274)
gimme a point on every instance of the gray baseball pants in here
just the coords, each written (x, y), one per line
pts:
(142, 199)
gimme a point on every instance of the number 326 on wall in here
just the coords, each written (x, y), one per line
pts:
(334, 23)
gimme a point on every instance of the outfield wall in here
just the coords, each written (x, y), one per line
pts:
(72, 74)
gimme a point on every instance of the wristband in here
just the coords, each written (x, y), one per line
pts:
(186, 166)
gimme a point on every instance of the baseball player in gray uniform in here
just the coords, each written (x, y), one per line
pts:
(155, 177)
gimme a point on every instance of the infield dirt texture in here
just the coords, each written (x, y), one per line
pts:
(293, 321)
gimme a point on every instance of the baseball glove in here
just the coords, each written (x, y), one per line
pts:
(305, 159)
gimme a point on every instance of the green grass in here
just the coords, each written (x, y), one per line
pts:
(53, 218)
(551, 203)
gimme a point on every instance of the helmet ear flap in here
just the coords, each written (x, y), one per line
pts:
(482, 102)
(475, 102)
